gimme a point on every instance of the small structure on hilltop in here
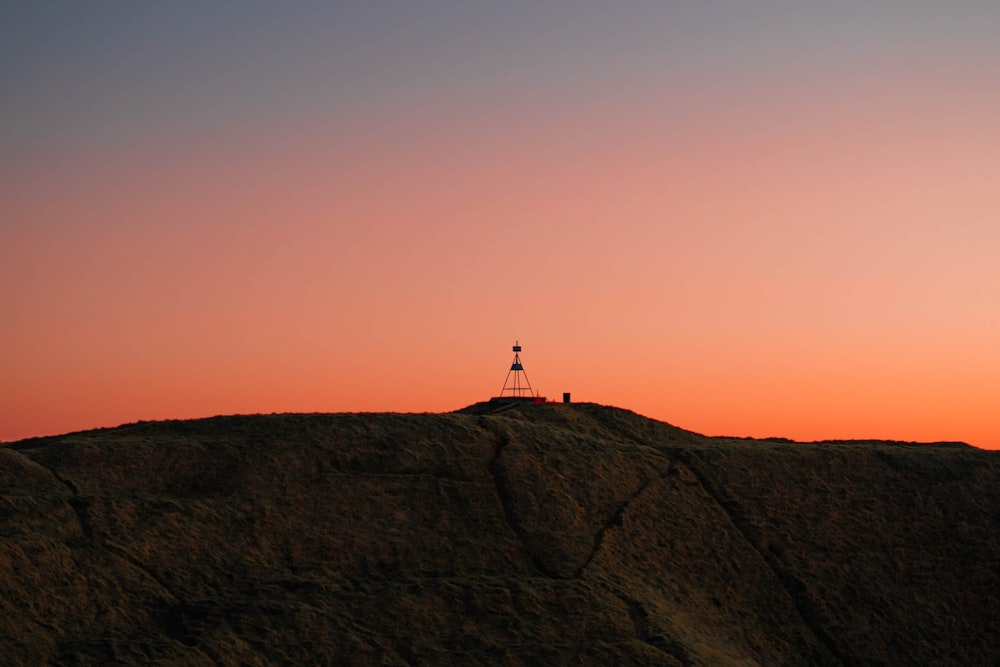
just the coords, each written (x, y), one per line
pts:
(516, 386)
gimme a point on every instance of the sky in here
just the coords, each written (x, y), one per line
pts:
(748, 219)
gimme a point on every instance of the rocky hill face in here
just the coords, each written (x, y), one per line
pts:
(544, 534)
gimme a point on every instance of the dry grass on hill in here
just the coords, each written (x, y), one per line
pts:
(541, 534)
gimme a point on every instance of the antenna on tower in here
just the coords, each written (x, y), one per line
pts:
(517, 388)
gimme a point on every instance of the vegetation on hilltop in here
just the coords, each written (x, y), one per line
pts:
(540, 534)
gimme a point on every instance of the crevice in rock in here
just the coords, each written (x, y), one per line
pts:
(81, 507)
(79, 504)
(142, 567)
(616, 519)
(640, 620)
(495, 468)
(795, 589)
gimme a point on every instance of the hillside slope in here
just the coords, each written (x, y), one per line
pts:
(544, 534)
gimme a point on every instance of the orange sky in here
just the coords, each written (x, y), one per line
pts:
(765, 241)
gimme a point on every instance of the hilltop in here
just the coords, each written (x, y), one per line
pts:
(555, 534)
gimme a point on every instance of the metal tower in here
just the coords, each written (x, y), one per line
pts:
(517, 388)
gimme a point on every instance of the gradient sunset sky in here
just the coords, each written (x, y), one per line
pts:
(743, 218)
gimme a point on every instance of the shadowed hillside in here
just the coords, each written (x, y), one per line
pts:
(555, 534)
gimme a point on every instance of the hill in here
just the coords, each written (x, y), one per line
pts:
(550, 534)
